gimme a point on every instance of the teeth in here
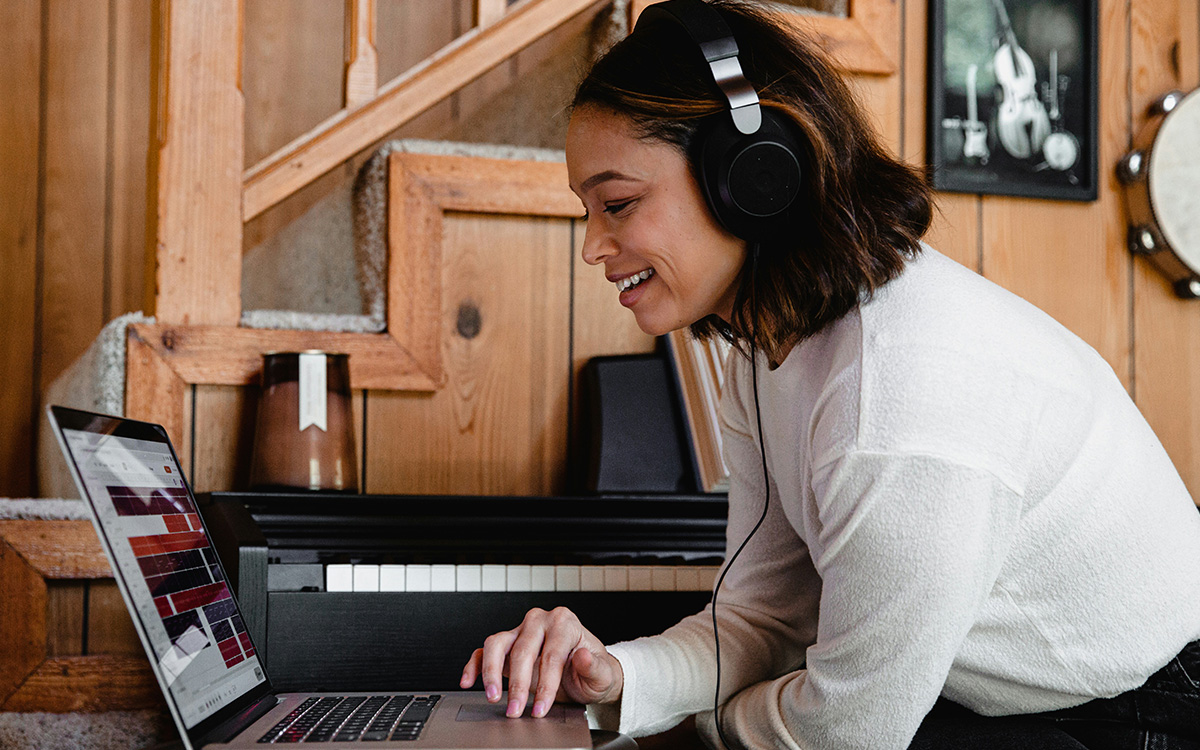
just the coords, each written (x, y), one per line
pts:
(632, 281)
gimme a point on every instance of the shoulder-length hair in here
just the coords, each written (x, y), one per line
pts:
(860, 212)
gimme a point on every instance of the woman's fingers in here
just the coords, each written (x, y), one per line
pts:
(471, 669)
(563, 635)
(495, 654)
(523, 661)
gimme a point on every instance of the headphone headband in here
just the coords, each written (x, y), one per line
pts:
(715, 40)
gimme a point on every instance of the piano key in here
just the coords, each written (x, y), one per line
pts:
(468, 578)
(391, 577)
(591, 578)
(518, 578)
(494, 578)
(366, 578)
(687, 578)
(310, 577)
(616, 578)
(640, 578)
(541, 578)
(339, 578)
(418, 578)
(708, 577)
(662, 578)
(442, 578)
(566, 578)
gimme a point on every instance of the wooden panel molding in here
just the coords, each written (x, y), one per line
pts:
(31, 677)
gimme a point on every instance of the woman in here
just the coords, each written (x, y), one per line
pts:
(971, 537)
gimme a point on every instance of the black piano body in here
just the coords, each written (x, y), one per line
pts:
(650, 561)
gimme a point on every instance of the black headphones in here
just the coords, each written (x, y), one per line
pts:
(748, 163)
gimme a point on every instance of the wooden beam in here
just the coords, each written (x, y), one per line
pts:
(350, 131)
(63, 550)
(100, 682)
(362, 61)
(197, 161)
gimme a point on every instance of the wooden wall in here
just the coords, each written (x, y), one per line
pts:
(73, 139)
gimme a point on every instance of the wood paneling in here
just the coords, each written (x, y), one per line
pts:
(1166, 367)
(129, 144)
(20, 58)
(73, 204)
(506, 284)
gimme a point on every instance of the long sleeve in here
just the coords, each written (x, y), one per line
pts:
(912, 547)
(766, 610)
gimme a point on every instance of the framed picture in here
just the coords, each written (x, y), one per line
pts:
(1013, 97)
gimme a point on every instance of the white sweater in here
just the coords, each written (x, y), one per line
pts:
(964, 502)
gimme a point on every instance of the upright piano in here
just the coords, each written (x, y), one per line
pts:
(373, 592)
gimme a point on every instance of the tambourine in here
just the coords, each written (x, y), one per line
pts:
(1162, 190)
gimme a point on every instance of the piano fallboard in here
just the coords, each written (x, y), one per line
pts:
(307, 571)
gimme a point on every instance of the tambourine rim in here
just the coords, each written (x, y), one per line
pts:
(1190, 257)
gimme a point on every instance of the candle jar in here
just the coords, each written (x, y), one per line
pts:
(304, 435)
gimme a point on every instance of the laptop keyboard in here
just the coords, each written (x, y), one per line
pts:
(355, 719)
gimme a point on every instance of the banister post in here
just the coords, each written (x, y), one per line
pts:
(196, 162)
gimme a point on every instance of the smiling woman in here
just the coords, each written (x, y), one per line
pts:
(949, 526)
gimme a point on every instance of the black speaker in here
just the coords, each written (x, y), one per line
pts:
(634, 431)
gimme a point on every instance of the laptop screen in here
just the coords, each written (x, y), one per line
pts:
(170, 570)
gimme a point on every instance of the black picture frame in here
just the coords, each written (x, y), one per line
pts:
(1027, 138)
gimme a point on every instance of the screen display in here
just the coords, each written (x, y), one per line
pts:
(170, 570)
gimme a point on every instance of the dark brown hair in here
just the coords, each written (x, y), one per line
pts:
(860, 212)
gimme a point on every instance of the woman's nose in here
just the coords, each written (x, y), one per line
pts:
(597, 245)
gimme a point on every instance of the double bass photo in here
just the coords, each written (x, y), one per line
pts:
(1013, 97)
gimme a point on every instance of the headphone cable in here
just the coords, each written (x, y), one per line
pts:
(766, 483)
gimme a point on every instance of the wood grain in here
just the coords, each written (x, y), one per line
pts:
(22, 618)
(197, 162)
(1166, 367)
(155, 393)
(65, 617)
(499, 425)
(362, 62)
(323, 148)
(20, 58)
(67, 550)
(73, 206)
(130, 265)
(224, 432)
(88, 683)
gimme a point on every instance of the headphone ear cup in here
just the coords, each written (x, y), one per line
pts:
(749, 181)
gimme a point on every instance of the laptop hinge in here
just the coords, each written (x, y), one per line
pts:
(228, 729)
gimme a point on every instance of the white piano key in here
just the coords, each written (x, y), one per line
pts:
(442, 578)
(616, 578)
(366, 578)
(708, 576)
(468, 578)
(417, 578)
(640, 578)
(687, 578)
(591, 578)
(339, 577)
(541, 578)
(391, 577)
(662, 578)
(519, 578)
(495, 578)
(566, 578)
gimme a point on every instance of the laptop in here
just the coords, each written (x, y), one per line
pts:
(184, 611)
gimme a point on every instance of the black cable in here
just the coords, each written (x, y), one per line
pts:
(766, 484)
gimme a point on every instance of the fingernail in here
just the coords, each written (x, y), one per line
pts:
(539, 709)
(492, 692)
(514, 708)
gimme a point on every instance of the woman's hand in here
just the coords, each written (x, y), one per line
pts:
(550, 653)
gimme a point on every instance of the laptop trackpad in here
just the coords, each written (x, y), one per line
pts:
(495, 712)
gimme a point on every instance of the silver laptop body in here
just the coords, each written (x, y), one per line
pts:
(187, 617)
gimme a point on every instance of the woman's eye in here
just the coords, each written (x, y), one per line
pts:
(616, 208)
